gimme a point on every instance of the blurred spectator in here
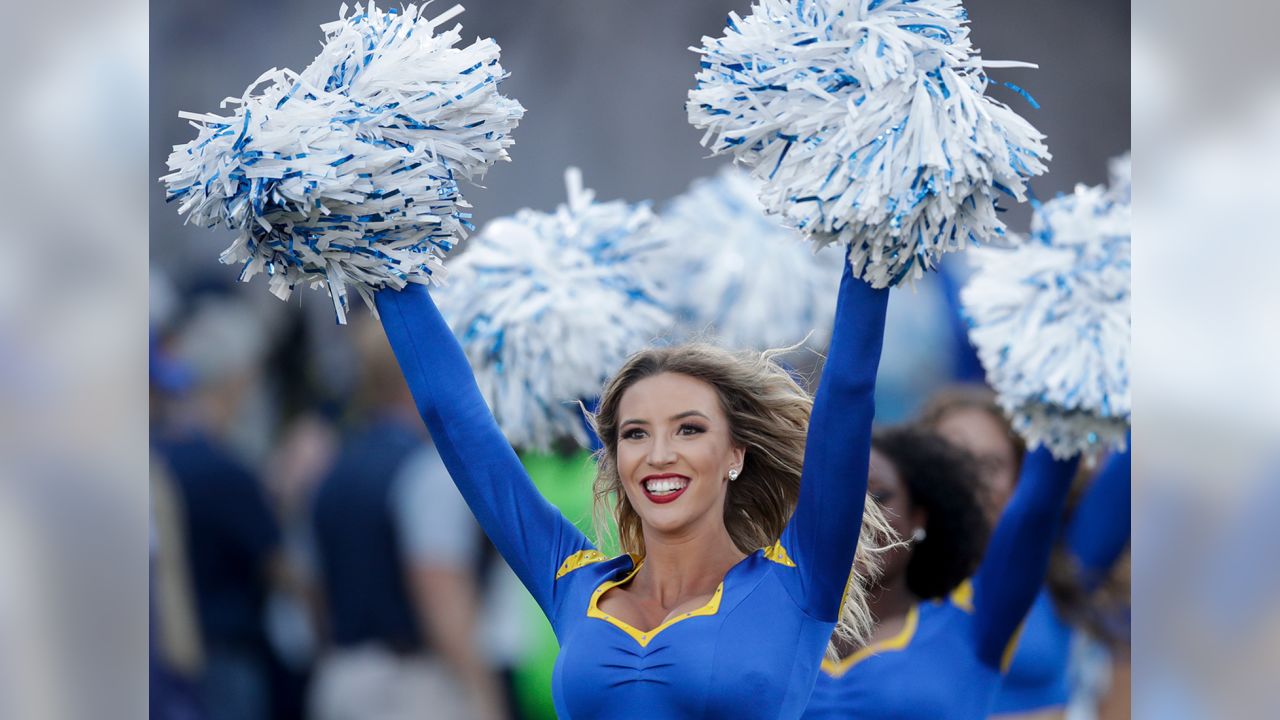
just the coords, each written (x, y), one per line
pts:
(176, 657)
(231, 534)
(304, 455)
(396, 551)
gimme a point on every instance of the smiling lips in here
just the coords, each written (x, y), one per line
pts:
(665, 487)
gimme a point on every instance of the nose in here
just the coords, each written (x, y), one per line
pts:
(661, 453)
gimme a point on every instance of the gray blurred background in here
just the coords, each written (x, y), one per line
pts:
(604, 84)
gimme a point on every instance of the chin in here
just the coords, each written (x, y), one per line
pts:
(667, 519)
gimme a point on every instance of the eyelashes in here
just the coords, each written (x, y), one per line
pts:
(686, 429)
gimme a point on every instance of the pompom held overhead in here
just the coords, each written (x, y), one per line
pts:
(548, 305)
(346, 175)
(1050, 320)
(869, 123)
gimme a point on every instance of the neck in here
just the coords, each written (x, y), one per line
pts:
(687, 564)
(891, 600)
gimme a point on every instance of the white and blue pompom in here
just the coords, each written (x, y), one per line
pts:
(1050, 321)
(869, 122)
(346, 175)
(737, 275)
(548, 305)
(1120, 172)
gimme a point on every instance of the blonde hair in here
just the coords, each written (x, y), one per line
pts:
(768, 414)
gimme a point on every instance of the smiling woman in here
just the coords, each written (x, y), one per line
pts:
(725, 433)
(739, 502)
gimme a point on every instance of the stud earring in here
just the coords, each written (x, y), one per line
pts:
(733, 475)
(918, 535)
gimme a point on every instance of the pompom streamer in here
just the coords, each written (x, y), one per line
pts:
(345, 175)
(738, 277)
(869, 122)
(548, 305)
(1050, 321)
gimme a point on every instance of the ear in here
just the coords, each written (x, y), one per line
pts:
(738, 457)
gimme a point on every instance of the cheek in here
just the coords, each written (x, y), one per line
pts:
(626, 458)
(899, 516)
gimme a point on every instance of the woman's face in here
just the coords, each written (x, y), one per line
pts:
(985, 439)
(887, 488)
(674, 455)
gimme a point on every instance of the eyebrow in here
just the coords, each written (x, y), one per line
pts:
(685, 414)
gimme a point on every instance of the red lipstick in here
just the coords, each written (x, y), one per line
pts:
(668, 495)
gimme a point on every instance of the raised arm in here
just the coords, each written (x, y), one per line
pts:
(1098, 531)
(822, 535)
(531, 534)
(1017, 557)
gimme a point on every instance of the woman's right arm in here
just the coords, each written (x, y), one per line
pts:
(532, 535)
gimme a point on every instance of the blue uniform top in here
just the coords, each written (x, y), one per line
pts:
(1096, 536)
(946, 662)
(754, 649)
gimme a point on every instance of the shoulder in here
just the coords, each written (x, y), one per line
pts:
(595, 563)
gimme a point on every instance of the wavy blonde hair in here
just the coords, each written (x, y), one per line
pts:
(768, 414)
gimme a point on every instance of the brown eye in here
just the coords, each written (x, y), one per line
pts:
(632, 434)
(688, 429)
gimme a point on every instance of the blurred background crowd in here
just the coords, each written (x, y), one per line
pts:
(308, 548)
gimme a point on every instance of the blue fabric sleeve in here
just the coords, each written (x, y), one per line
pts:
(1017, 558)
(1098, 531)
(533, 537)
(822, 535)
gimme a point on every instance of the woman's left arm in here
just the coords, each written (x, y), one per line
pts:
(1017, 557)
(822, 536)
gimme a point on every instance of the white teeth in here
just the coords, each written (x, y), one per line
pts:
(665, 486)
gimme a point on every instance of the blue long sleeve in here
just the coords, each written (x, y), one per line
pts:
(1017, 558)
(531, 534)
(822, 535)
(1098, 531)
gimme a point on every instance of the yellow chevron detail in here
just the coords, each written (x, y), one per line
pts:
(579, 559)
(778, 554)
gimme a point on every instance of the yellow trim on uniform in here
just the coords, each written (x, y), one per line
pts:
(579, 559)
(644, 637)
(778, 554)
(962, 596)
(897, 642)
(1007, 658)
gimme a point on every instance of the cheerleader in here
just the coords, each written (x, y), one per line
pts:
(1095, 536)
(942, 643)
(725, 598)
